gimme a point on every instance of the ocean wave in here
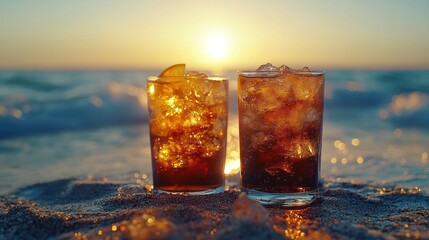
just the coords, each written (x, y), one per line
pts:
(51, 101)
(115, 104)
(417, 119)
(408, 110)
(33, 84)
(344, 98)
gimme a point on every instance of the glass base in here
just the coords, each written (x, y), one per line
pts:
(203, 192)
(298, 199)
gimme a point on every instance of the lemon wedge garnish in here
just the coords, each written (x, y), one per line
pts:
(177, 70)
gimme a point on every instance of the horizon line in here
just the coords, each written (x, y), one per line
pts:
(107, 68)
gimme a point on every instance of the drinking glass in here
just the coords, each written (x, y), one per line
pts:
(188, 130)
(280, 127)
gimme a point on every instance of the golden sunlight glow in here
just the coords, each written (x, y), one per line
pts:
(216, 46)
(17, 113)
(232, 166)
(151, 89)
(2, 110)
(236, 38)
(408, 102)
(359, 160)
(355, 142)
(425, 157)
(96, 101)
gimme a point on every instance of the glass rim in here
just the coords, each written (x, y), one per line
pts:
(296, 72)
(179, 78)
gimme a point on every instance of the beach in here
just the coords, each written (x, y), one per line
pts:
(76, 164)
(98, 210)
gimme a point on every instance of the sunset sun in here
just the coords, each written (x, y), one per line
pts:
(216, 46)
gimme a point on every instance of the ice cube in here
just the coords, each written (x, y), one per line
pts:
(276, 169)
(304, 149)
(194, 74)
(162, 126)
(207, 92)
(158, 90)
(300, 149)
(250, 121)
(167, 115)
(267, 67)
(267, 99)
(284, 68)
(306, 86)
(249, 210)
(295, 149)
(159, 127)
(211, 146)
(247, 89)
(262, 141)
(218, 92)
(192, 119)
(272, 96)
(289, 118)
(247, 99)
(305, 69)
(218, 125)
(168, 153)
(312, 115)
(291, 152)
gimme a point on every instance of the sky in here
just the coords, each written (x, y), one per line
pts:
(143, 34)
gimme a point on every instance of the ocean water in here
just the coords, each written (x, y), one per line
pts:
(93, 125)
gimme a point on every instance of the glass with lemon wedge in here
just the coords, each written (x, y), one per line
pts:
(188, 119)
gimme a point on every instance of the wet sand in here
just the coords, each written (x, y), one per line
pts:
(96, 209)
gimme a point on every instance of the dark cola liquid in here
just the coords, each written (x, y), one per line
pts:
(302, 176)
(271, 168)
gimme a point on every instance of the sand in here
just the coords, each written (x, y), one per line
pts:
(95, 209)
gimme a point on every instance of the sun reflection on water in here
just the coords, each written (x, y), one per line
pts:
(17, 113)
(232, 163)
(345, 155)
(408, 102)
(232, 166)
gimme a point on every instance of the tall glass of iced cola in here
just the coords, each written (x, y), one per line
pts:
(188, 123)
(280, 124)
